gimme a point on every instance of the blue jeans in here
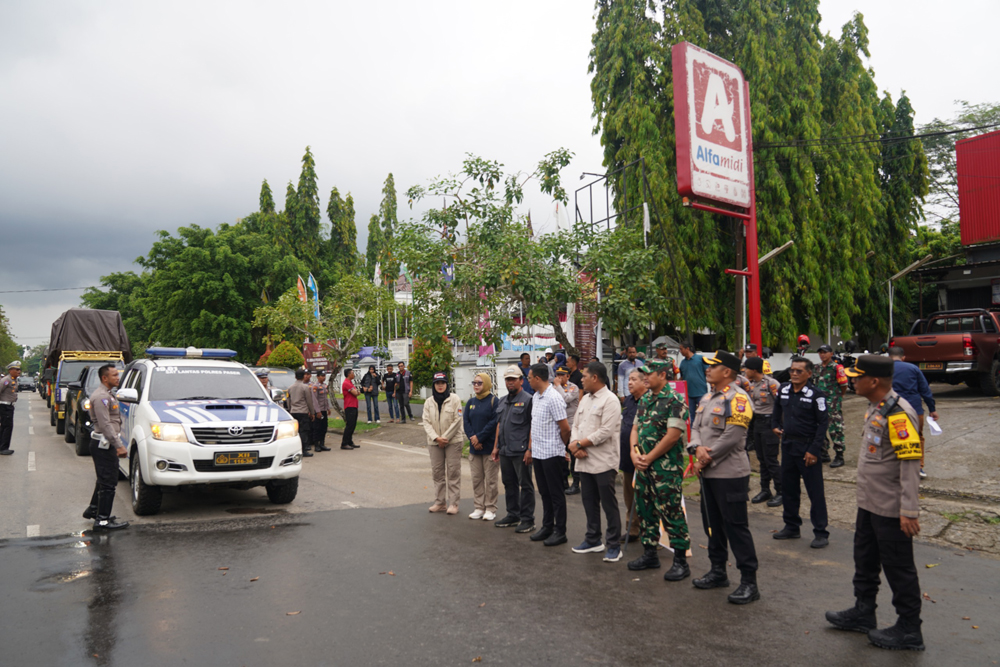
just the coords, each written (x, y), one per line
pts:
(393, 408)
(371, 399)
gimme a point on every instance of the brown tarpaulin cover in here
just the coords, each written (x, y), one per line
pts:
(85, 329)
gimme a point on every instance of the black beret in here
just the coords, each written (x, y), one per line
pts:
(755, 364)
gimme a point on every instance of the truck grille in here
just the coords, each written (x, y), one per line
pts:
(208, 465)
(220, 435)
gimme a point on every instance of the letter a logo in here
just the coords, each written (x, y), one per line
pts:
(716, 107)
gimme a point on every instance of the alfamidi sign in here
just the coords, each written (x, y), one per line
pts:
(712, 123)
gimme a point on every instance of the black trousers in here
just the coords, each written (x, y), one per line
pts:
(794, 468)
(320, 426)
(404, 405)
(305, 429)
(549, 477)
(880, 544)
(597, 492)
(518, 488)
(569, 468)
(766, 444)
(6, 426)
(350, 423)
(105, 465)
(724, 515)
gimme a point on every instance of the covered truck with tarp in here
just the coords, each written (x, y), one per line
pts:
(82, 337)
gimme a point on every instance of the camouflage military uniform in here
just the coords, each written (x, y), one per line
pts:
(829, 380)
(658, 488)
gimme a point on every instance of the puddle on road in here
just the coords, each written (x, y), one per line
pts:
(255, 510)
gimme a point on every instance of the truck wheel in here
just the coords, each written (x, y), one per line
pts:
(989, 383)
(146, 499)
(82, 441)
(52, 416)
(67, 436)
(60, 425)
(282, 492)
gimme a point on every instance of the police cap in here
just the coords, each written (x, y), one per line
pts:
(261, 372)
(871, 365)
(750, 347)
(727, 359)
(656, 366)
(14, 365)
(563, 370)
(755, 364)
(824, 348)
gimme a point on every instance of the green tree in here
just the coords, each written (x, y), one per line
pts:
(9, 350)
(376, 246)
(33, 360)
(387, 212)
(124, 291)
(266, 198)
(306, 227)
(342, 248)
(286, 355)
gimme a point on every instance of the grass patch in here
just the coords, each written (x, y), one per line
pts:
(954, 518)
(361, 427)
(992, 520)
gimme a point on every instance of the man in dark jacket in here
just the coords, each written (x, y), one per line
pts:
(512, 449)
(800, 417)
(371, 385)
(480, 423)
(636, 388)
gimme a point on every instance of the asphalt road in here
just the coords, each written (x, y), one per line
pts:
(458, 589)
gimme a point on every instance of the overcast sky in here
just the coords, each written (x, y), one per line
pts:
(120, 118)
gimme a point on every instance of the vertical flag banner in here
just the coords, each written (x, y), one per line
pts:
(378, 273)
(314, 288)
(302, 290)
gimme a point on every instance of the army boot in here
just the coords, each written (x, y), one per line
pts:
(679, 570)
(904, 636)
(747, 591)
(859, 618)
(838, 460)
(104, 520)
(649, 560)
(714, 578)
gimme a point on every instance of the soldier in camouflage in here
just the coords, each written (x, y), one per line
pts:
(657, 448)
(831, 380)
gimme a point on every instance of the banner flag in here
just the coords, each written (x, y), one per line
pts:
(314, 288)
(302, 290)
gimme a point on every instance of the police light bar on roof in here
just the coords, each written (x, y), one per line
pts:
(190, 352)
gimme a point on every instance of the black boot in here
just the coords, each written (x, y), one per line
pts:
(838, 460)
(859, 618)
(824, 457)
(649, 560)
(574, 487)
(91, 512)
(776, 501)
(104, 520)
(904, 636)
(764, 495)
(679, 570)
(747, 591)
(714, 578)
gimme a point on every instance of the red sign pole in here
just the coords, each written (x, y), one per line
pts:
(753, 268)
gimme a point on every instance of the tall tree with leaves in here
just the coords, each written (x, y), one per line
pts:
(376, 247)
(342, 248)
(266, 198)
(387, 212)
(307, 213)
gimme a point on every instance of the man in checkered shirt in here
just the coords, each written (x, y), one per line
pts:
(547, 450)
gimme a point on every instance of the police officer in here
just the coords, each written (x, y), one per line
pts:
(657, 448)
(763, 391)
(800, 418)
(8, 397)
(718, 437)
(830, 380)
(888, 510)
(106, 447)
(302, 407)
(321, 396)
(261, 374)
(750, 352)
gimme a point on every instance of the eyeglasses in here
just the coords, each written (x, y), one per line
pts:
(796, 370)
(476, 383)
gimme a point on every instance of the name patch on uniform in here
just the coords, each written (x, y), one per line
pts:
(904, 437)
(519, 405)
(717, 410)
(821, 402)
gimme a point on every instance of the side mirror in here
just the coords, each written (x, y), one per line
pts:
(75, 385)
(128, 395)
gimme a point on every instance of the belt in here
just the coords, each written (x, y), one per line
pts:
(6, 402)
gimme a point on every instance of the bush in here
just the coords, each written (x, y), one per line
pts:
(286, 355)
(264, 357)
(430, 357)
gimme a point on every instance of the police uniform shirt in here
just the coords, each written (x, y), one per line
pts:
(105, 416)
(300, 399)
(764, 394)
(720, 424)
(8, 390)
(889, 462)
(803, 416)
(321, 392)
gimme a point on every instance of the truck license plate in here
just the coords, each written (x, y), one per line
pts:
(236, 458)
(932, 366)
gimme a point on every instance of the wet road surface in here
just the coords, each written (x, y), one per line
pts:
(459, 590)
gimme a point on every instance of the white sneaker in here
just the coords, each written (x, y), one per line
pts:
(378, 421)
(369, 421)
(489, 516)
(478, 514)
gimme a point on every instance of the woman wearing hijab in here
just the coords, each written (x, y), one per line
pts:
(480, 428)
(443, 425)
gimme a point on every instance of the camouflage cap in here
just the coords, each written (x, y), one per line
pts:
(657, 366)
(661, 345)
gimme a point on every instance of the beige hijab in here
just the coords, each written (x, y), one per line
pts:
(487, 387)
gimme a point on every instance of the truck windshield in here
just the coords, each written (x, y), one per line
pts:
(282, 378)
(181, 383)
(70, 371)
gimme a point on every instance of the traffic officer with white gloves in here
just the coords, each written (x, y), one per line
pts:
(8, 397)
(106, 447)
(718, 442)
(888, 510)
(321, 400)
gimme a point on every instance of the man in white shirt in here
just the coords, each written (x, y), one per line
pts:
(549, 437)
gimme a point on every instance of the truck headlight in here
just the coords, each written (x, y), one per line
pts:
(86, 404)
(288, 429)
(168, 432)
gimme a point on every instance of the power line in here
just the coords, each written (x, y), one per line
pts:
(864, 139)
(51, 289)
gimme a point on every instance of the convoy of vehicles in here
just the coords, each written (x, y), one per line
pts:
(78, 426)
(954, 346)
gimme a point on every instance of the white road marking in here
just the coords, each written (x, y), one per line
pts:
(31, 462)
(408, 450)
(34, 530)
(349, 504)
(31, 416)
(31, 430)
